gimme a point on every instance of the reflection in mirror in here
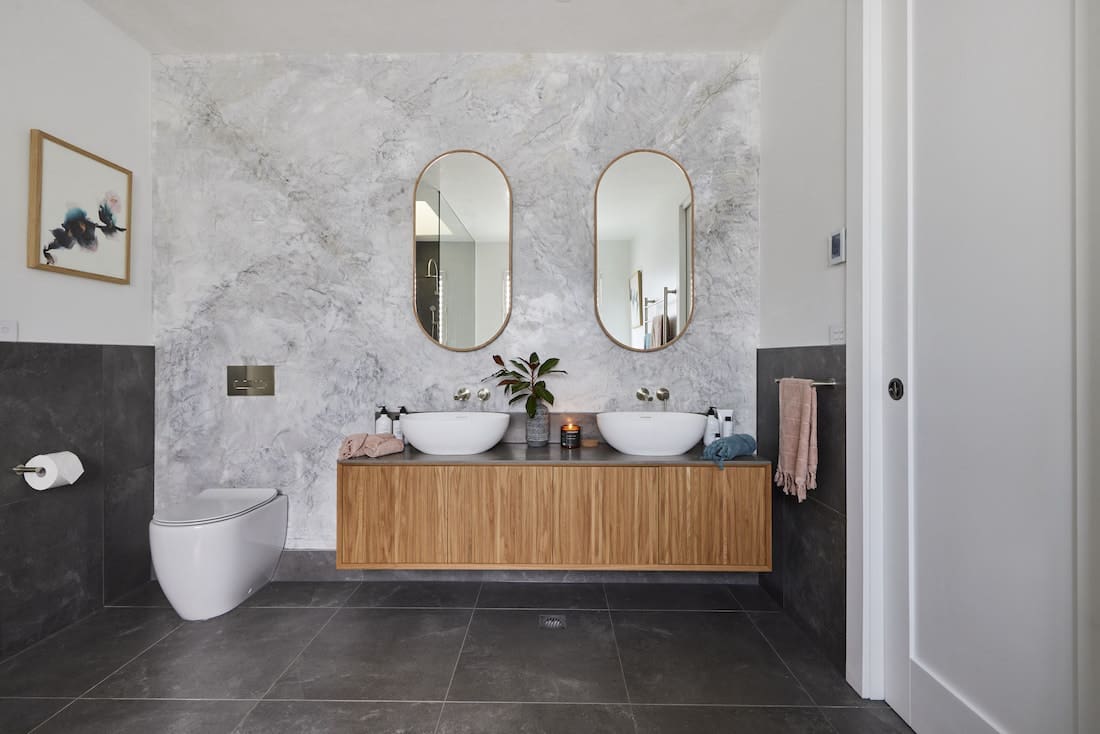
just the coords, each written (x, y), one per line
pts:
(644, 250)
(462, 223)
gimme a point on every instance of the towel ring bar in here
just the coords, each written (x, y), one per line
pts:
(831, 382)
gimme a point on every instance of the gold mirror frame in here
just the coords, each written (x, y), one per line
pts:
(596, 252)
(508, 312)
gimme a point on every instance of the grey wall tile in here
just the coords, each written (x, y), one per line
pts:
(809, 538)
(63, 549)
(128, 425)
(127, 509)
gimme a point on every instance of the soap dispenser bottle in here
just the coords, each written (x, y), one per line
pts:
(398, 432)
(713, 430)
(383, 423)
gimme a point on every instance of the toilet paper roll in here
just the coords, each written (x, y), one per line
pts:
(55, 470)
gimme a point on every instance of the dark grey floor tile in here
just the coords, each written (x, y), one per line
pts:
(824, 683)
(303, 594)
(509, 657)
(753, 598)
(701, 658)
(379, 654)
(147, 595)
(670, 596)
(533, 595)
(459, 594)
(144, 717)
(536, 718)
(729, 720)
(340, 717)
(78, 657)
(237, 655)
(873, 720)
(20, 715)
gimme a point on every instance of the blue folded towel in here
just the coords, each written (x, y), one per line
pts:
(730, 447)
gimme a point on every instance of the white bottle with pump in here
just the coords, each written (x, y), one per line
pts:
(713, 430)
(383, 423)
(397, 430)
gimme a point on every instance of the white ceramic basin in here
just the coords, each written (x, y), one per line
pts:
(454, 433)
(651, 433)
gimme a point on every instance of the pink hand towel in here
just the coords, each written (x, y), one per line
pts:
(797, 468)
(371, 445)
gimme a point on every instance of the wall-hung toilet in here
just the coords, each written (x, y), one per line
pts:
(214, 550)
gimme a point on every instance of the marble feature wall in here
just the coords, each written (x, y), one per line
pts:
(283, 235)
(809, 539)
(63, 552)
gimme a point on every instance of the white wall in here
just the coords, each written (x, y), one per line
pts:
(69, 72)
(802, 174)
(992, 390)
(491, 263)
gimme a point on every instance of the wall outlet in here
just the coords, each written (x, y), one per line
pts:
(9, 331)
(837, 334)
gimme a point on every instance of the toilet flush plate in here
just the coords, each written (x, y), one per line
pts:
(249, 379)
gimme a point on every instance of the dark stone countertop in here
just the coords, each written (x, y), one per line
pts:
(553, 455)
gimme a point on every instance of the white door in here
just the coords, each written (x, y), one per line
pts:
(978, 492)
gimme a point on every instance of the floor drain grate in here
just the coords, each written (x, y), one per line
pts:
(552, 621)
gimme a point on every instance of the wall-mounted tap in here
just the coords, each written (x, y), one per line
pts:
(642, 394)
(662, 394)
(483, 394)
(462, 394)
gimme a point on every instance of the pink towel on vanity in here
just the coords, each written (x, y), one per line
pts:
(797, 468)
(371, 445)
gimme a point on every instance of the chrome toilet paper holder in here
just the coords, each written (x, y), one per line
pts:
(22, 469)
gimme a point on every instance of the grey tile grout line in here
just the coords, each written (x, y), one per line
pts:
(288, 667)
(344, 604)
(791, 671)
(100, 682)
(619, 656)
(458, 658)
(456, 701)
(729, 590)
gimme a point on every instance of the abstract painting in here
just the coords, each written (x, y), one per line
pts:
(79, 213)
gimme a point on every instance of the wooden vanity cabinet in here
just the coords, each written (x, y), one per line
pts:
(554, 517)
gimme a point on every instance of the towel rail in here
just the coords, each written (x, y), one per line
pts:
(831, 382)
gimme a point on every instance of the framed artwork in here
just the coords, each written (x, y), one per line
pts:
(79, 212)
(838, 248)
(637, 310)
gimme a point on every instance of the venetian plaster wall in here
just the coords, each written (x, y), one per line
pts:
(283, 227)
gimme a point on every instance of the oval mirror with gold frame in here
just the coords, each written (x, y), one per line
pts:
(462, 250)
(644, 250)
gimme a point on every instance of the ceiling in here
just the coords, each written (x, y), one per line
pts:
(426, 26)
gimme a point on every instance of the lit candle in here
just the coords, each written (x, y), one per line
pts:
(570, 436)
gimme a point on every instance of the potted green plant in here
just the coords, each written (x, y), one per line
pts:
(524, 382)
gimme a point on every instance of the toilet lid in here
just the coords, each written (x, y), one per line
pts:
(212, 505)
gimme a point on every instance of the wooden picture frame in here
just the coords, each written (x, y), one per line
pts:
(637, 302)
(66, 183)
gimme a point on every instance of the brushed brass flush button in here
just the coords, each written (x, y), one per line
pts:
(249, 379)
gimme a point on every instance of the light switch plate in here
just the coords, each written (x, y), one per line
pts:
(9, 331)
(837, 334)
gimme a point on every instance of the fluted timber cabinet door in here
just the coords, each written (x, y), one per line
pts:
(607, 516)
(715, 518)
(500, 515)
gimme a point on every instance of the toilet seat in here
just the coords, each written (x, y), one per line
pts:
(214, 505)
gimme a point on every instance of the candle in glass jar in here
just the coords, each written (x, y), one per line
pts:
(570, 436)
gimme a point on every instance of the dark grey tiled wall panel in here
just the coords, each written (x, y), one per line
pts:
(62, 552)
(809, 554)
